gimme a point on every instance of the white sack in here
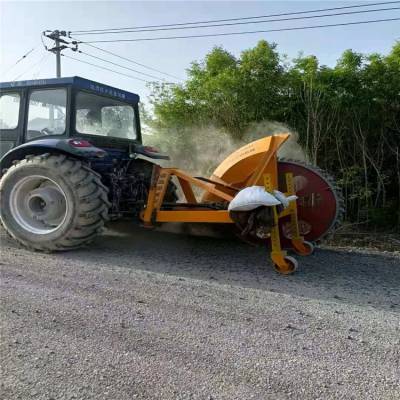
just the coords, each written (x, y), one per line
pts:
(251, 198)
(285, 200)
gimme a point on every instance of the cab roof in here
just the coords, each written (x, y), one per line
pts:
(77, 82)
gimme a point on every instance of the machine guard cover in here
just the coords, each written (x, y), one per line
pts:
(239, 166)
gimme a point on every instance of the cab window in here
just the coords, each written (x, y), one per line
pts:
(104, 116)
(46, 113)
(9, 110)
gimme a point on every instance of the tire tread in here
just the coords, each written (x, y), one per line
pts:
(88, 224)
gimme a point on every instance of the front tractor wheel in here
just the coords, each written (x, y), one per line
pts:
(52, 202)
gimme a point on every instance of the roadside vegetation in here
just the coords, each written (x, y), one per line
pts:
(346, 117)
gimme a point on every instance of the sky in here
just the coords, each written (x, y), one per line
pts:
(21, 24)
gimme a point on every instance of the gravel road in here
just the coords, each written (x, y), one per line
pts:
(154, 315)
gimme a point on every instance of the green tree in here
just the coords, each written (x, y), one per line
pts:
(347, 117)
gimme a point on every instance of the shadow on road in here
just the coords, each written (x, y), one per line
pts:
(342, 276)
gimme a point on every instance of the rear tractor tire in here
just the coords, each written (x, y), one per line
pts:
(52, 203)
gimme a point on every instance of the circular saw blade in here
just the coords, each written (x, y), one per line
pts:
(320, 204)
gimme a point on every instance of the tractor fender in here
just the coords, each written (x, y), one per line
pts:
(75, 147)
(150, 152)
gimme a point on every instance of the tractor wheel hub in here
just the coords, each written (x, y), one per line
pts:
(38, 204)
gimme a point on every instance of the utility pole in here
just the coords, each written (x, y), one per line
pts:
(58, 54)
(58, 47)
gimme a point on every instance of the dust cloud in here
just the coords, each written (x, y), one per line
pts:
(200, 150)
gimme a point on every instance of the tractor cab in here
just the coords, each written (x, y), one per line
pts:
(65, 108)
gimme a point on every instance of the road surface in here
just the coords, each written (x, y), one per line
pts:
(155, 315)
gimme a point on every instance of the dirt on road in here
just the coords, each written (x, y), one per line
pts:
(154, 315)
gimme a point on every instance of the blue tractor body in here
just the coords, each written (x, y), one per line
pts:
(85, 121)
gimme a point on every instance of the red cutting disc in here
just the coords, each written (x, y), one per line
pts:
(319, 202)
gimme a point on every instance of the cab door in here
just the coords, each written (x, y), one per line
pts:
(11, 119)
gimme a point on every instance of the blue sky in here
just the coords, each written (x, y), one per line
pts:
(22, 22)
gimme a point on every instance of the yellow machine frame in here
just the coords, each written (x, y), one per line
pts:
(250, 165)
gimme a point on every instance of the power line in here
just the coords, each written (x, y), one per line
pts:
(118, 65)
(43, 43)
(241, 18)
(240, 23)
(242, 33)
(36, 74)
(31, 67)
(126, 59)
(105, 68)
(20, 59)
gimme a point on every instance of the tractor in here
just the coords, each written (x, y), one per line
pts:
(72, 158)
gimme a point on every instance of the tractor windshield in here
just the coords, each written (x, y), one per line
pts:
(104, 116)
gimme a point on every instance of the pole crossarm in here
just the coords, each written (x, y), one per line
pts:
(59, 45)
